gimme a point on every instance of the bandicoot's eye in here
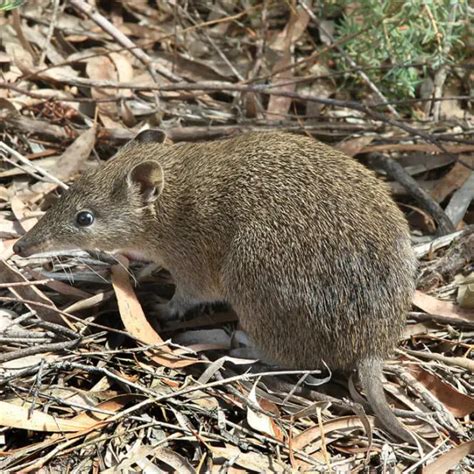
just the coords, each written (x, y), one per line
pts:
(85, 218)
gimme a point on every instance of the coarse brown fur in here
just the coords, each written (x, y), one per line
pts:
(304, 242)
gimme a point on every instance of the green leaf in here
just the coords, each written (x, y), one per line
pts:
(6, 5)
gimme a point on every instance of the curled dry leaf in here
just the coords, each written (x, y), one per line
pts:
(258, 420)
(312, 436)
(130, 309)
(135, 321)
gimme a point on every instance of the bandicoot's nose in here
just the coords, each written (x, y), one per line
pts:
(19, 248)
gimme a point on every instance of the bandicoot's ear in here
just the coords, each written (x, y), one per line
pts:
(149, 177)
(150, 136)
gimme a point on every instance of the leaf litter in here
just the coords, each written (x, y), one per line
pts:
(89, 380)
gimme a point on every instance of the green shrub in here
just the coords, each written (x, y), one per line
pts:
(398, 34)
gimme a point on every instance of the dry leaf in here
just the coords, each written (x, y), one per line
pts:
(15, 416)
(103, 68)
(411, 330)
(459, 404)
(465, 298)
(354, 146)
(345, 423)
(433, 305)
(193, 69)
(130, 309)
(75, 155)
(135, 321)
(61, 287)
(278, 106)
(259, 421)
(19, 207)
(450, 459)
(9, 229)
(124, 69)
(452, 180)
(115, 404)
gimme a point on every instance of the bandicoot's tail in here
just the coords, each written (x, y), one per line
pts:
(370, 376)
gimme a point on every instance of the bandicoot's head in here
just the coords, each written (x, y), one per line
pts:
(106, 208)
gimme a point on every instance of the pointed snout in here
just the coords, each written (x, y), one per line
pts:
(26, 246)
(21, 248)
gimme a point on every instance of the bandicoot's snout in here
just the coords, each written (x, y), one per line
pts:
(21, 248)
(26, 246)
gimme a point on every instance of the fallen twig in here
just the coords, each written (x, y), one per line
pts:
(44, 175)
(398, 173)
(262, 89)
(439, 318)
(463, 362)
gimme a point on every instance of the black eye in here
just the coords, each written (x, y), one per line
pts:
(84, 218)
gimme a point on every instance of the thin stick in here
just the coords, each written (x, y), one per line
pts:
(39, 349)
(198, 387)
(261, 89)
(463, 362)
(396, 171)
(50, 33)
(25, 283)
(6, 149)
